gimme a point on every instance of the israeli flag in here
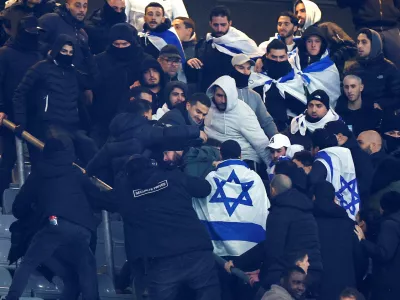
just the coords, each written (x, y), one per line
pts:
(342, 174)
(290, 83)
(235, 212)
(235, 42)
(321, 75)
(161, 39)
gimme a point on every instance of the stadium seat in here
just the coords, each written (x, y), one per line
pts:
(8, 200)
(5, 245)
(5, 223)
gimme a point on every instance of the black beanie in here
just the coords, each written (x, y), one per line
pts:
(123, 31)
(390, 202)
(322, 139)
(338, 126)
(320, 96)
(230, 149)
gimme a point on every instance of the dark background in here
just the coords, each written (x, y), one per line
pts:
(257, 18)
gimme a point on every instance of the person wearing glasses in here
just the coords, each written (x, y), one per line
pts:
(170, 61)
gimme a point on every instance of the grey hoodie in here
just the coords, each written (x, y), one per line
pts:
(238, 122)
(252, 99)
(277, 293)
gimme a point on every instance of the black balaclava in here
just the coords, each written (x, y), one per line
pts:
(127, 33)
(62, 60)
(241, 80)
(391, 123)
(26, 40)
(276, 69)
(111, 16)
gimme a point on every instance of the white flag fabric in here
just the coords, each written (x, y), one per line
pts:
(342, 174)
(301, 124)
(320, 75)
(235, 212)
(235, 42)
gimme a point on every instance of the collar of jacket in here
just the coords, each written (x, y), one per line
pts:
(69, 19)
(160, 28)
(371, 61)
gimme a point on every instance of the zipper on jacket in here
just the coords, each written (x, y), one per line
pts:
(381, 12)
(47, 103)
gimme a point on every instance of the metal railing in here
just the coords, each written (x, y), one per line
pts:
(105, 216)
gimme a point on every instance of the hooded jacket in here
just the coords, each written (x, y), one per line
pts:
(132, 134)
(305, 58)
(238, 122)
(374, 14)
(98, 26)
(342, 256)
(313, 13)
(118, 68)
(15, 60)
(151, 63)
(167, 106)
(277, 293)
(62, 22)
(50, 91)
(380, 76)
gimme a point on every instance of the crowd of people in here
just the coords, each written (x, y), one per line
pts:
(282, 157)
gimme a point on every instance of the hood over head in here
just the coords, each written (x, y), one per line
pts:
(61, 40)
(228, 85)
(376, 42)
(314, 30)
(124, 31)
(111, 16)
(170, 86)
(313, 12)
(151, 63)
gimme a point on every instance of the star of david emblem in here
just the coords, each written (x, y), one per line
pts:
(232, 203)
(355, 198)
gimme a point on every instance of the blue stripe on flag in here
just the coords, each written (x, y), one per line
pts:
(232, 162)
(234, 231)
(323, 155)
(320, 65)
(232, 49)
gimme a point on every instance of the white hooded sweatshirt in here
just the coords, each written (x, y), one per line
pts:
(238, 122)
(134, 11)
(313, 13)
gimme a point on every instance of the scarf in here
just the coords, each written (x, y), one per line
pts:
(301, 124)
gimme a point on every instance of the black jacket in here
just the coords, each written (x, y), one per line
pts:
(62, 22)
(342, 255)
(50, 92)
(178, 116)
(59, 189)
(374, 14)
(159, 220)
(112, 85)
(131, 134)
(363, 167)
(365, 118)
(381, 81)
(215, 64)
(291, 228)
(15, 60)
(189, 48)
(385, 255)
(98, 25)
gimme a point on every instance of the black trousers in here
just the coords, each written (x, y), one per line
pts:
(65, 240)
(85, 147)
(196, 270)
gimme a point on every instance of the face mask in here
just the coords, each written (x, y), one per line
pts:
(27, 40)
(64, 60)
(242, 80)
(121, 53)
(112, 16)
(277, 69)
(392, 143)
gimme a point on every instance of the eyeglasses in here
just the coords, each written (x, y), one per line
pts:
(172, 61)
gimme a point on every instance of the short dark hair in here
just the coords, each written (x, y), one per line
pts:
(189, 23)
(277, 45)
(365, 31)
(220, 11)
(137, 91)
(322, 139)
(154, 4)
(200, 97)
(351, 293)
(138, 107)
(305, 157)
(290, 15)
(290, 270)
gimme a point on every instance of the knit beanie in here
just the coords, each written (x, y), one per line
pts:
(321, 96)
(123, 31)
(230, 149)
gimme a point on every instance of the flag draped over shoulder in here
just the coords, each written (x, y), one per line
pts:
(235, 42)
(161, 39)
(342, 174)
(236, 210)
(320, 75)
